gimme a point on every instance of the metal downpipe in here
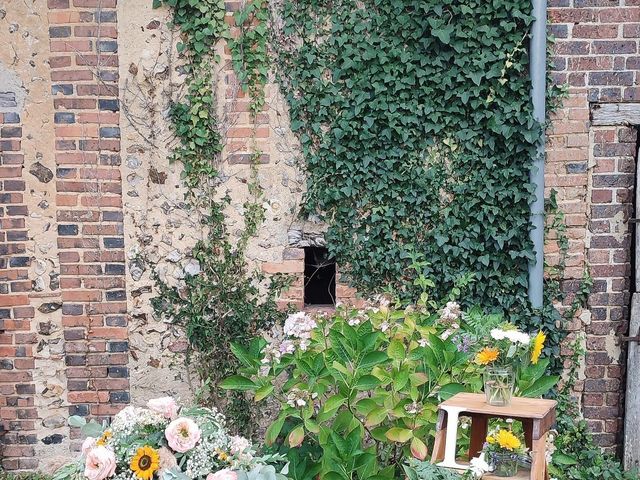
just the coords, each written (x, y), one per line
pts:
(538, 72)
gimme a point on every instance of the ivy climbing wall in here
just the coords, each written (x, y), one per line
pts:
(95, 215)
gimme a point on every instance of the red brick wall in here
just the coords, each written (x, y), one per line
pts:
(84, 76)
(88, 231)
(17, 411)
(592, 169)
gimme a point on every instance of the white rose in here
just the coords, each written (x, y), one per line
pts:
(498, 334)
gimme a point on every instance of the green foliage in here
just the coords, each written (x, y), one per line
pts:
(416, 127)
(556, 231)
(195, 124)
(249, 51)
(577, 457)
(362, 386)
(224, 302)
(201, 23)
(23, 476)
(417, 470)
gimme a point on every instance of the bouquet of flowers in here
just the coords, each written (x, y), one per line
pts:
(166, 442)
(504, 449)
(508, 345)
(506, 352)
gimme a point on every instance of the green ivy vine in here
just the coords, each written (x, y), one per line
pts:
(249, 51)
(224, 302)
(416, 129)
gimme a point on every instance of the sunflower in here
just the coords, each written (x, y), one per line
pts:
(487, 355)
(538, 344)
(145, 462)
(102, 441)
(508, 440)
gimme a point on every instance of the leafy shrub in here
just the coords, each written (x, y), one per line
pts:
(417, 470)
(23, 476)
(360, 388)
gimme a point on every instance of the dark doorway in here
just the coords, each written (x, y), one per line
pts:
(319, 277)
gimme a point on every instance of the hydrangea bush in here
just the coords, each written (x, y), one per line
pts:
(167, 442)
(359, 389)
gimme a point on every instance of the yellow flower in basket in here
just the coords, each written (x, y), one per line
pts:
(508, 440)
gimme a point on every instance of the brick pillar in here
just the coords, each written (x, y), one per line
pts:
(613, 179)
(84, 75)
(17, 408)
(596, 54)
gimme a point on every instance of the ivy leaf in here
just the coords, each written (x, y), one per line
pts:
(443, 34)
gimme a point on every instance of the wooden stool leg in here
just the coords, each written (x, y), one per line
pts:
(441, 433)
(539, 462)
(527, 426)
(479, 426)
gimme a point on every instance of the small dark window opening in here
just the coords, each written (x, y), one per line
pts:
(319, 277)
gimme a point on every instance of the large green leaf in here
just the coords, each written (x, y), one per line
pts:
(367, 382)
(237, 382)
(541, 386)
(373, 358)
(400, 435)
(396, 349)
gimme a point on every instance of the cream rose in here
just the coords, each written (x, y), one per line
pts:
(182, 434)
(225, 474)
(99, 464)
(88, 444)
(165, 406)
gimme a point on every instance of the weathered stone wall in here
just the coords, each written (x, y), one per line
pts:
(92, 207)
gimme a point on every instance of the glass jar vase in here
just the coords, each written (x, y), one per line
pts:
(498, 385)
(504, 464)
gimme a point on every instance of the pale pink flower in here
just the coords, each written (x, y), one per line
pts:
(88, 444)
(99, 464)
(167, 460)
(225, 474)
(238, 445)
(182, 434)
(165, 406)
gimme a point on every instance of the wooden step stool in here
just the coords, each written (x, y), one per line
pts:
(537, 417)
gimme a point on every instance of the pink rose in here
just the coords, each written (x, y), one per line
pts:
(88, 444)
(238, 445)
(182, 434)
(225, 474)
(99, 464)
(165, 406)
